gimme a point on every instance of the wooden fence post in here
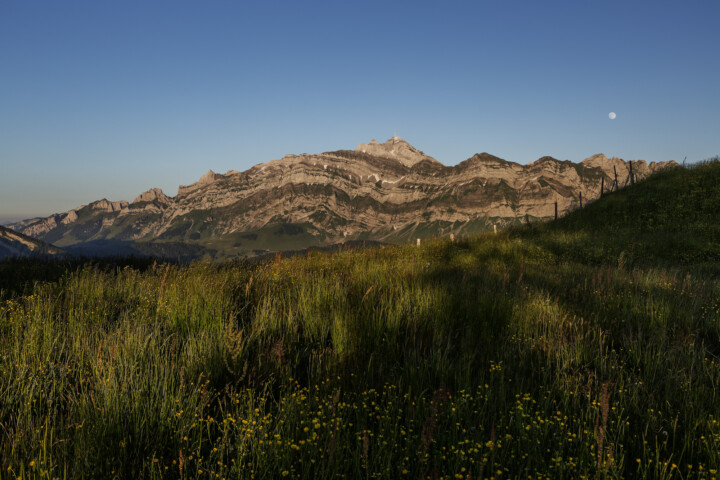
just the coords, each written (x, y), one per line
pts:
(555, 209)
(616, 180)
(632, 175)
(418, 242)
(602, 186)
(580, 199)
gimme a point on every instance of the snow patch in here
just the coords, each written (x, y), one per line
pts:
(393, 181)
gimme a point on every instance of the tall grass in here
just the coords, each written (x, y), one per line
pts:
(517, 355)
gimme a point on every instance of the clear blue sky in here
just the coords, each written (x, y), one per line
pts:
(107, 99)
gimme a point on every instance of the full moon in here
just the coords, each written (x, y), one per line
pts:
(612, 115)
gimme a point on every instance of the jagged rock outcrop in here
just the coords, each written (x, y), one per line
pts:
(107, 206)
(383, 192)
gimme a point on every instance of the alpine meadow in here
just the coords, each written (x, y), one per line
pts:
(585, 347)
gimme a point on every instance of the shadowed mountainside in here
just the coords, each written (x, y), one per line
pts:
(14, 244)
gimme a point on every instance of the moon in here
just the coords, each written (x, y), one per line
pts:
(612, 115)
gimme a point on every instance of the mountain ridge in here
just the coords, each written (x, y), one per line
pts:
(383, 192)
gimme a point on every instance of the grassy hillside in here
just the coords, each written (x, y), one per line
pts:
(671, 220)
(584, 348)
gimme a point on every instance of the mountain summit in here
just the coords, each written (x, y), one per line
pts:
(395, 148)
(385, 192)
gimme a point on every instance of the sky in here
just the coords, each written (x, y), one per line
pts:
(109, 99)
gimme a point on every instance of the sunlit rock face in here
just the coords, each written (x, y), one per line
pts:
(387, 191)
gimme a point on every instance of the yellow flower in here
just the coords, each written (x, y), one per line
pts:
(285, 473)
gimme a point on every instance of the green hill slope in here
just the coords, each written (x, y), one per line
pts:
(670, 219)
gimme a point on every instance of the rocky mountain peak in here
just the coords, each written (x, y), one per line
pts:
(206, 179)
(209, 177)
(486, 157)
(545, 159)
(599, 159)
(597, 156)
(605, 163)
(154, 194)
(396, 148)
(105, 205)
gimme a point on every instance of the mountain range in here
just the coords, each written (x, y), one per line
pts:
(380, 192)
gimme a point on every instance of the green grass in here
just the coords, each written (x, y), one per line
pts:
(584, 348)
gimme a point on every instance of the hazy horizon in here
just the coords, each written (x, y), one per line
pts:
(109, 100)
